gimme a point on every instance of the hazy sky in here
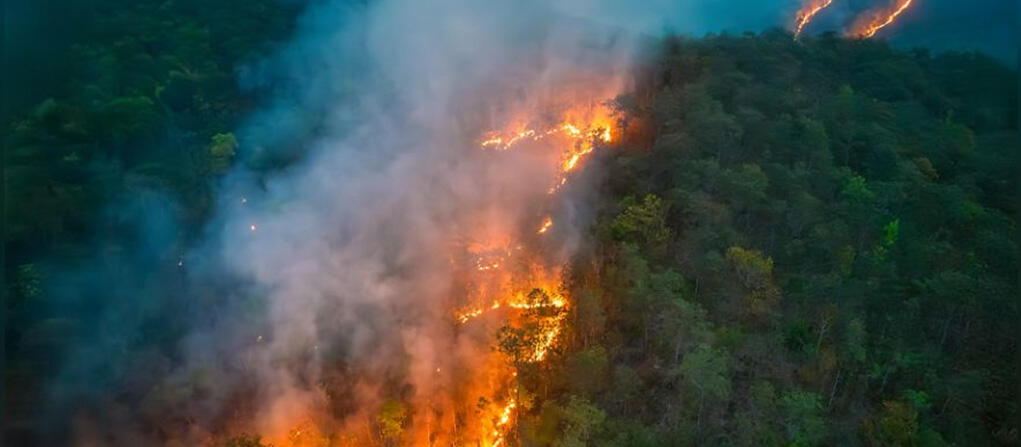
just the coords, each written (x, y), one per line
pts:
(37, 28)
(986, 25)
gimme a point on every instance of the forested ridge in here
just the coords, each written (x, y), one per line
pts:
(797, 243)
(109, 175)
(817, 248)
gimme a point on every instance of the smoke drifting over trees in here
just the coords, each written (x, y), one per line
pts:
(267, 222)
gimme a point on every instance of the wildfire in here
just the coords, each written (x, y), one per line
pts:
(507, 141)
(582, 140)
(807, 12)
(508, 280)
(463, 317)
(488, 267)
(551, 328)
(880, 20)
(503, 423)
(518, 301)
(525, 300)
(521, 302)
(546, 224)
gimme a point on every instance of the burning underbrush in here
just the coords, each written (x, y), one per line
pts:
(503, 253)
(410, 268)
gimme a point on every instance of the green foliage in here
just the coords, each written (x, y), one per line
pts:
(898, 424)
(755, 273)
(581, 420)
(753, 270)
(221, 152)
(756, 424)
(588, 370)
(642, 222)
(856, 190)
(855, 339)
(590, 316)
(803, 418)
(876, 186)
(890, 233)
(919, 400)
(245, 440)
(391, 419)
(127, 117)
(707, 370)
(867, 180)
(132, 95)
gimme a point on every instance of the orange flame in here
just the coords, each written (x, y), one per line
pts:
(519, 301)
(498, 272)
(578, 133)
(582, 139)
(546, 224)
(880, 20)
(503, 423)
(807, 12)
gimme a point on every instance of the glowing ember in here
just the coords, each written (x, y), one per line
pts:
(464, 316)
(807, 12)
(546, 224)
(550, 331)
(503, 424)
(521, 302)
(867, 29)
(493, 266)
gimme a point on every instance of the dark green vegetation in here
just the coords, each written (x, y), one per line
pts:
(817, 248)
(814, 245)
(110, 175)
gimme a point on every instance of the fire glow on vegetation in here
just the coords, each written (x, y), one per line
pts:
(410, 268)
(878, 20)
(518, 287)
(507, 276)
(578, 139)
(519, 301)
(503, 423)
(866, 26)
(807, 12)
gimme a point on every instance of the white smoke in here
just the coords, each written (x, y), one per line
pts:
(351, 246)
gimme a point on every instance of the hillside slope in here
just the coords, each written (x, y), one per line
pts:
(813, 245)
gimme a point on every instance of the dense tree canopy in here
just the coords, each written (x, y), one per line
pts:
(815, 246)
(816, 249)
(109, 175)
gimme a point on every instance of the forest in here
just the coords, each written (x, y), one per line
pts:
(798, 242)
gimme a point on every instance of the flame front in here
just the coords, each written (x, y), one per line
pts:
(515, 289)
(867, 28)
(505, 273)
(807, 12)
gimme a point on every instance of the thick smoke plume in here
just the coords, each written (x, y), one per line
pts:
(359, 251)
(335, 285)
